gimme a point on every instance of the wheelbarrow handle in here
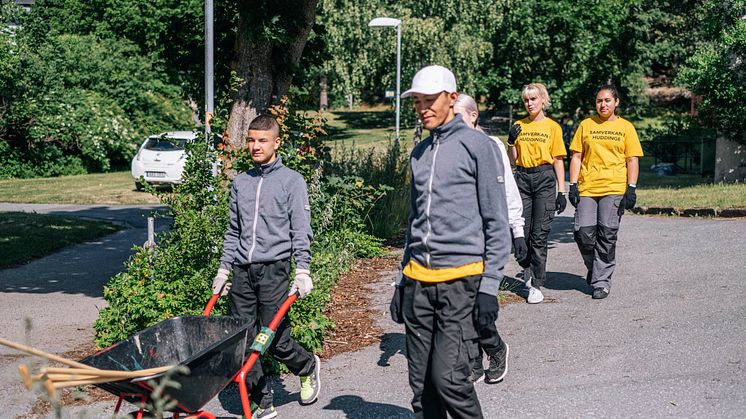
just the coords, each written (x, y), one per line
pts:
(210, 304)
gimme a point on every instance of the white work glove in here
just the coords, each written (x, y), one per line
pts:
(302, 284)
(220, 284)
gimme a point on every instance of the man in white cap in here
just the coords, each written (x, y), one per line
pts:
(457, 243)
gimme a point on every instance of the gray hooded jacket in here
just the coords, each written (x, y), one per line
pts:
(458, 211)
(269, 218)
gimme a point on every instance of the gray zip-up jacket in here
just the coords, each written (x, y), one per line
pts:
(269, 218)
(458, 211)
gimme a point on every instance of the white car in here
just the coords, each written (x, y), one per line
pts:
(160, 159)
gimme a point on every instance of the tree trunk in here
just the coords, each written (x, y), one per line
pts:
(730, 160)
(264, 64)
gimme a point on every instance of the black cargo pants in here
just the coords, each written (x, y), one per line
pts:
(257, 292)
(441, 339)
(538, 189)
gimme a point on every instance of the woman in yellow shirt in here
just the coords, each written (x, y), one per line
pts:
(536, 147)
(603, 178)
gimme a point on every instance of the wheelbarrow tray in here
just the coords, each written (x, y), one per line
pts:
(212, 348)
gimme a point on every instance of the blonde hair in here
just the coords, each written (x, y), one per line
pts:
(540, 89)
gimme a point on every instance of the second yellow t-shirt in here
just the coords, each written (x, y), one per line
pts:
(605, 146)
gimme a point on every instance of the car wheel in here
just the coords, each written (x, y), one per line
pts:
(138, 186)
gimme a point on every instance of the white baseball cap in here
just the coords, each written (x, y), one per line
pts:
(431, 80)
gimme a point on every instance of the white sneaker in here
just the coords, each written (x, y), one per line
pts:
(534, 296)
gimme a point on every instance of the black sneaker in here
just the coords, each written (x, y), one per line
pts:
(498, 365)
(600, 293)
(477, 372)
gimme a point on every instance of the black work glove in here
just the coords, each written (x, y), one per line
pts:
(561, 202)
(574, 195)
(628, 200)
(520, 248)
(486, 310)
(396, 305)
(513, 133)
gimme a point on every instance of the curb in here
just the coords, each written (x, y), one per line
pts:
(692, 212)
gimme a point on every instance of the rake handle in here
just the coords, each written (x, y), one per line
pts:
(51, 357)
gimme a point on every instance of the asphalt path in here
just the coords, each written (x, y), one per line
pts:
(51, 303)
(667, 342)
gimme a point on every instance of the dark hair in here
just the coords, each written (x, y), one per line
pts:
(265, 123)
(609, 85)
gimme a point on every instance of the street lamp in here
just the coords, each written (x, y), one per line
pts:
(209, 72)
(391, 22)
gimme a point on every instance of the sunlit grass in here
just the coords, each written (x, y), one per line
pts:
(719, 196)
(101, 188)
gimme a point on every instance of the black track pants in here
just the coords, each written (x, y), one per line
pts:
(441, 340)
(257, 292)
(539, 196)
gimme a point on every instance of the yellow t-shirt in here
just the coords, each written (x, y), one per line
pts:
(605, 146)
(539, 142)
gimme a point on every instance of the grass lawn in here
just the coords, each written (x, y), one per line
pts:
(24, 237)
(102, 188)
(697, 196)
(373, 128)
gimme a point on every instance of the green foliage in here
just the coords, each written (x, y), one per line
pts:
(174, 277)
(76, 104)
(388, 216)
(717, 72)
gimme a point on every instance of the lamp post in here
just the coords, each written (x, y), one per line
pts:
(209, 75)
(391, 22)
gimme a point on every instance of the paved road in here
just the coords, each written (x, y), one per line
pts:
(668, 342)
(60, 295)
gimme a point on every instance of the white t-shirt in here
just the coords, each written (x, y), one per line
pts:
(515, 204)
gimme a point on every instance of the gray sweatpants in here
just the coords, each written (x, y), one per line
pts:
(596, 228)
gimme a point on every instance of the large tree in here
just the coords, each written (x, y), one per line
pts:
(270, 38)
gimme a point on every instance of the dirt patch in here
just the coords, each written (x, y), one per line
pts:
(350, 310)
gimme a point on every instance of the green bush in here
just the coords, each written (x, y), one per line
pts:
(79, 101)
(175, 277)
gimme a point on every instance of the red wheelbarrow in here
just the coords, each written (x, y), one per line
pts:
(212, 348)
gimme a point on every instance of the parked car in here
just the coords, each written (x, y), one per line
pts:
(160, 159)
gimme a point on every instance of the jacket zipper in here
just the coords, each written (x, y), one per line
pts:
(256, 215)
(429, 200)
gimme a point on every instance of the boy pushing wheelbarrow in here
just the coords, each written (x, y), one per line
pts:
(269, 221)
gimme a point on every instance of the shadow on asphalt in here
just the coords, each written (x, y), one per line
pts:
(563, 281)
(85, 268)
(562, 231)
(355, 407)
(559, 281)
(391, 344)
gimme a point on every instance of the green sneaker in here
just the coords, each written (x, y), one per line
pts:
(267, 413)
(310, 385)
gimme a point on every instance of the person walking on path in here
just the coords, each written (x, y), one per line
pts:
(603, 180)
(537, 149)
(457, 243)
(490, 341)
(269, 221)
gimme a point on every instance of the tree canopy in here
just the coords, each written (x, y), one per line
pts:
(717, 71)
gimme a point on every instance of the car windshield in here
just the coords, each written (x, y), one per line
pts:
(165, 144)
